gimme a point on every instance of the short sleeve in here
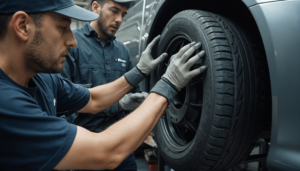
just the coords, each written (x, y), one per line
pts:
(70, 97)
(29, 138)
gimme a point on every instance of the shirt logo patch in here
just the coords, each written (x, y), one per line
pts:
(54, 101)
(123, 65)
(121, 60)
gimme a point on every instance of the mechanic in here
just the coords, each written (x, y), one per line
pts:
(99, 59)
(35, 37)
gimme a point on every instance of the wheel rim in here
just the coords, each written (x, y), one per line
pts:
(182, 116)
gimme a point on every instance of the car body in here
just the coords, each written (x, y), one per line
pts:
(278, 26)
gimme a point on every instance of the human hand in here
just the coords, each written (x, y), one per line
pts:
(132, 101)
(147, 64)
(178, 72)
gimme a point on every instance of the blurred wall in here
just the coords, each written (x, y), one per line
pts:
(84, 4)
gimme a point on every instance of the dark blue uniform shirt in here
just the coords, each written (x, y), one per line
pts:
(90, 64)
(32, 137)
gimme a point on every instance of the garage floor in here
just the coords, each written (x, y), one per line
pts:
(142, 164)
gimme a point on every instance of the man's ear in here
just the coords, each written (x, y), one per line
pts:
(96, 7)
(22, 25)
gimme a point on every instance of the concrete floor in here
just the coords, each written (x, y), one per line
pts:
(142, 164)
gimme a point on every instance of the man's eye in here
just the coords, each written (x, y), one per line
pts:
(114, 11)
(63, 28)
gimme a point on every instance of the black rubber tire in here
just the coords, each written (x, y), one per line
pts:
(235, 94)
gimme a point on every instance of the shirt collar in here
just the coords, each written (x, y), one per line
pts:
(88, 30)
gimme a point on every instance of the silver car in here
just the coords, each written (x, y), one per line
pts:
(249, 91)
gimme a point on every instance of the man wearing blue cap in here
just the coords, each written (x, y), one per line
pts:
(35, 37)
(99, 59)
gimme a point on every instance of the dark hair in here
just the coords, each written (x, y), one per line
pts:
(5, 18)
(102, 2)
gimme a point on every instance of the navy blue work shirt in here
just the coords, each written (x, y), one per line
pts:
(32, 137)
(92, 64)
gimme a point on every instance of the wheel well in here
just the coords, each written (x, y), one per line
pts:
(235, 10)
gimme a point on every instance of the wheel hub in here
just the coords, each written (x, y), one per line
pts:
(178, 108)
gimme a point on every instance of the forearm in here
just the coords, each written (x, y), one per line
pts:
(128, 134)
(104, 96)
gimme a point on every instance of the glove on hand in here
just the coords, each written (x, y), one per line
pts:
(178, 72)
(147, 64)
(132, 101)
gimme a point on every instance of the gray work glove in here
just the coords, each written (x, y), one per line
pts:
(145, 66)
(178, 74)
(132, 101)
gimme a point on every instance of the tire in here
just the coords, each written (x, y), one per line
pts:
(214, 123)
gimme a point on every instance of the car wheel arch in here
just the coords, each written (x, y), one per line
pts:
(166, 10)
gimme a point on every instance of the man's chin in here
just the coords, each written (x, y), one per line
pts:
(56, 69)
(60, 69)
(111, 33)
(114, 32)
(110, 36)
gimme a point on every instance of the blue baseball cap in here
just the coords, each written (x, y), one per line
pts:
(63, 7)
(131, 2)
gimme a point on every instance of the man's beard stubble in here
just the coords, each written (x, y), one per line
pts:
(38, 56)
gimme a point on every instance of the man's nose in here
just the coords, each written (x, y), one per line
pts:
(71, 40)
(119, 19)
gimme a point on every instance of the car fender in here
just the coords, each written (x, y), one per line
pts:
(250, 3)
(280, 32)
(149, 21)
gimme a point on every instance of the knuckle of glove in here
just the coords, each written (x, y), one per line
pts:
(172, 62)
(176, 65)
